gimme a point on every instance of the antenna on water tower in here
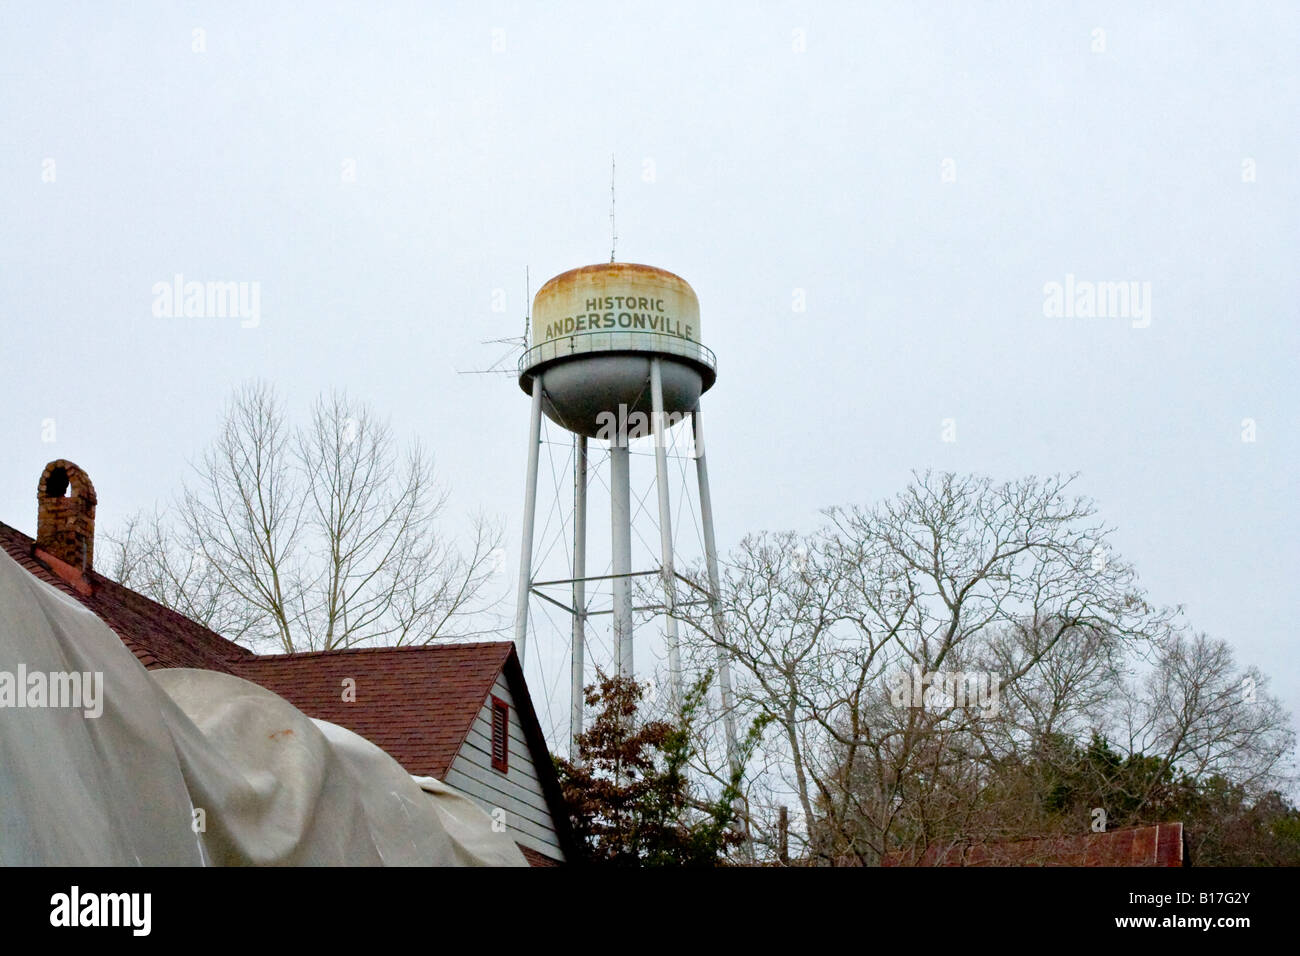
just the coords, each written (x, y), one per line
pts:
(613, 236)
(517, 343)
(615, 356)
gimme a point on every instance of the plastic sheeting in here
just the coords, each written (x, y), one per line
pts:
(192, 767)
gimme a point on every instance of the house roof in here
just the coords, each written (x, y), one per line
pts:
(158, 636)
(417, 703)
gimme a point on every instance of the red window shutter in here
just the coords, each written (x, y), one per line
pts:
(500, 735)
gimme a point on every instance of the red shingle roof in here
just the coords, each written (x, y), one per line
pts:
(158, 636)
(417, 703)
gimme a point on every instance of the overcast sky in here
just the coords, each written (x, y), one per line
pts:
(915, 174)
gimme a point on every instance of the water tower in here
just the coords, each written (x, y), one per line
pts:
(615, 356)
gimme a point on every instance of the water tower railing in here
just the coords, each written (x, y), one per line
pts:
(582, 343)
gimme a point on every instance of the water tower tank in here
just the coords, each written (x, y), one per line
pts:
(595, 330)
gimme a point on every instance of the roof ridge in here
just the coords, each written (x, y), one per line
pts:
(382, 648)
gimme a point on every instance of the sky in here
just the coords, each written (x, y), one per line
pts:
(871, 201)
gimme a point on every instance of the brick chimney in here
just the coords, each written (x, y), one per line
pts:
(65, 516)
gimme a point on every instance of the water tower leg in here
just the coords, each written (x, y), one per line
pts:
(530, 514)
(579, 591)
(715, 589)
(620, 494)
(659, 426)
(715, 593)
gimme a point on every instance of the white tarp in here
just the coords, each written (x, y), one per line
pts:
(192, 767)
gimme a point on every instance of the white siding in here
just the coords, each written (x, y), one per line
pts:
(518, 791)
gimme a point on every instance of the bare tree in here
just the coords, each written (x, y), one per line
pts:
(855, 641)
(311, 538)
(1200, 715)
(150, 556)
(821, 631)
